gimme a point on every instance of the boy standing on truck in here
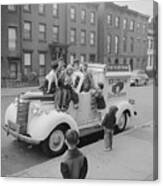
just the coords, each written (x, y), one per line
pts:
(74, 165)
(108, 124)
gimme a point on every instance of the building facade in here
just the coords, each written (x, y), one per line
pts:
(35, 35)
(122, 36)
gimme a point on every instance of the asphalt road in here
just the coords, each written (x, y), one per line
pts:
(17, 156)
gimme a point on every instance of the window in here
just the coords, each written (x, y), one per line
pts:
(13, 70)
(124, 43)
(83, 58)
(144, 28)
(27, 30)
(55, 33)
(92, 38)
(42, 32)
(72, 14)
(26, 8)
(12, 38)
(124, 24)
(132, 25)
(109, 19)
(116, 61)
(11, 8)
(41, 9)
(73, 35)
(92, 17)
(72, 57)
(138, 27)
(132, 44)
(83, 37)
(83, 15)
(109, 44)
(27, 58)
(116, 44)
(55, 10)
(117, 22)
(27, 62)
(92, 58)
(42, 60)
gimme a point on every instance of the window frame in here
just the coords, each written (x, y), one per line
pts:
(56, 34)
(90, 39)
(83, 37)
(83, 19)
(92, 18)
(27, 10)
(131, 27)
(56, 10)
(41, 12)
(11, 10)
(109, 43)
(40, 32)
(125, 22)
(109, 19)
(74, 35)
(116, 44)
(73, 16)
(30, 31)
(14, 40)
(117, 22)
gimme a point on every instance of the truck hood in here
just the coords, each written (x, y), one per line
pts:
(37, 95)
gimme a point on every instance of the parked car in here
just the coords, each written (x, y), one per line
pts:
(139, 77)
(32, 117)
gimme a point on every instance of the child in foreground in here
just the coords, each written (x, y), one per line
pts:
(108, 124)
(74, 165)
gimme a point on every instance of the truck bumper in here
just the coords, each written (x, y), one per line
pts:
(20, 137)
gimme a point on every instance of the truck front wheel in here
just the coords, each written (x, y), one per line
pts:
(55, 145)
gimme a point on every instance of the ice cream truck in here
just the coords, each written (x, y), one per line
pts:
(32, 117)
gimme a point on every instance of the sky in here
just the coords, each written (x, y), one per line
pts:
(142, 6)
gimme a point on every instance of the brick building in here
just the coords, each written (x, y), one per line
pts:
(122, 36)
(34, 35)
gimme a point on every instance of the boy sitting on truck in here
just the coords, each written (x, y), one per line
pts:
(65, 93)
(51, 82)
(74, 165)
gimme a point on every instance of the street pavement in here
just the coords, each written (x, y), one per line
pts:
(131, 159)
(17, 156)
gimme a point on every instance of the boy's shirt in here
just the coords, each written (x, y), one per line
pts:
(51, 77)
(74, 165)
(109, 121)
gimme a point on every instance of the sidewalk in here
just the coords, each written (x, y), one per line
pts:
(131, 158)
(15, 91)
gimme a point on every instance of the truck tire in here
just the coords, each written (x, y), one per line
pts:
(55, 145)
(122, 122)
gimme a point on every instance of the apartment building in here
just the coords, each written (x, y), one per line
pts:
(122, 36)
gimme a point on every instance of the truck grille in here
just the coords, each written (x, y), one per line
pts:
(22, 116)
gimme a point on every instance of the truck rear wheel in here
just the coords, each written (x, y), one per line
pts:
(55, 145)
(122, 122)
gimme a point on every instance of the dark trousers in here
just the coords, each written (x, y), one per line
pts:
(64, 97)
(108, 138)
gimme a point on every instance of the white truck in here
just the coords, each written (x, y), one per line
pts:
(33, 119)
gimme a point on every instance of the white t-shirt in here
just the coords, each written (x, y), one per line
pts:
(51, 77)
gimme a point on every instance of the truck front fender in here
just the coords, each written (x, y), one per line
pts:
(41, 126)
(124, 106)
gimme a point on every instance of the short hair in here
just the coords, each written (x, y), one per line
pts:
(54, 65)
(101, 85)
(72, 137)
(76, 61)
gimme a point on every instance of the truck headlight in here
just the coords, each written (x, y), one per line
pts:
(36, 110)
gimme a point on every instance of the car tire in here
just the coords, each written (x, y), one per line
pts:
(51, 147)
(122, 122)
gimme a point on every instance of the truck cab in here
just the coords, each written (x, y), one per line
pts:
(33, 118)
